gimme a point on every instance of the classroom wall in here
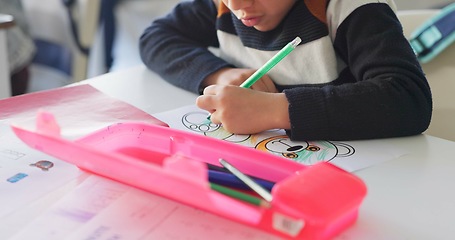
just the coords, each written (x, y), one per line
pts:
(421, 4)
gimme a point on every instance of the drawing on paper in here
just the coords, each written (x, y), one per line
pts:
(17, 177)
(307, 152)
(273, 141)
(43, 165)
(196, 122)
(11, 154)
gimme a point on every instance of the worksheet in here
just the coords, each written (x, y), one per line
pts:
(349, 155)
(103, 209)
(27, 174)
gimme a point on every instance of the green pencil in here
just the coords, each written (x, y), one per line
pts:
(269, 64)
(239, 195)
(264, 193)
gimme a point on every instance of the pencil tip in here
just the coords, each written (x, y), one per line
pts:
(206, 122)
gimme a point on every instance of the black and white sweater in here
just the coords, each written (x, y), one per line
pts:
(354, 76)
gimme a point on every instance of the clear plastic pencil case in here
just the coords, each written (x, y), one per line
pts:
(309, 202)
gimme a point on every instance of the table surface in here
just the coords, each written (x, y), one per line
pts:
(410, 197)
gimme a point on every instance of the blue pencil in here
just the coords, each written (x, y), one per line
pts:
(230, 180)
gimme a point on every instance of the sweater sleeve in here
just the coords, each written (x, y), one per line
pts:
(176, 46)
(384, 91)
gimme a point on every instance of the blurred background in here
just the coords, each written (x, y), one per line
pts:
(79, 39)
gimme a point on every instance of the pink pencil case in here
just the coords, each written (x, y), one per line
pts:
(309, 202)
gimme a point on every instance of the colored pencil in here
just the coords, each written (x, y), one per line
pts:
(239, 195)
(230, 180)
(264, 193)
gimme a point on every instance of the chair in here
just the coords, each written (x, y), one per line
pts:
(55, 36)
(440, 73)
(86, 14)
(6, 21)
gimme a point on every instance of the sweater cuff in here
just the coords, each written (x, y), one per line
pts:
(200, 69)
(307, 114)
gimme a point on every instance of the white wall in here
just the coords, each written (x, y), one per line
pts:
(420, 4)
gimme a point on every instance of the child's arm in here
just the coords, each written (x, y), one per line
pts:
(176, 46)
(388, 95)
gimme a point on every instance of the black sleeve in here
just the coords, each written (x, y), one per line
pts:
(176, 46)
(385, 93)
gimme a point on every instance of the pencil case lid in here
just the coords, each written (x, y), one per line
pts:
(434, 35)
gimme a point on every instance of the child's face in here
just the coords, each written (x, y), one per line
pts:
(263, 15)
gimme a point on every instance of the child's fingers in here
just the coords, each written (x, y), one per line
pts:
(265, 84)
(210, 90)
(206, 102)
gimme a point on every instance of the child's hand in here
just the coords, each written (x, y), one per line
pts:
(236, 76)
(243, 110)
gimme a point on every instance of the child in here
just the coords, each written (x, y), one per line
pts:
(354, 76)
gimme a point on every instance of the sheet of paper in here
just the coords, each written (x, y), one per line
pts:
(74, 210)
(27, 174)
(349, 155)
(79, 110)
(103, 209)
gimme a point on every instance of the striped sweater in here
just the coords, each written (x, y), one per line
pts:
(354, 76)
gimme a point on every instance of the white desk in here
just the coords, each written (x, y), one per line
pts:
(411, 197)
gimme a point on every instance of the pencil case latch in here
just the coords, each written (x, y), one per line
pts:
(319, 201)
